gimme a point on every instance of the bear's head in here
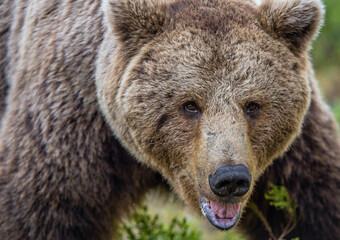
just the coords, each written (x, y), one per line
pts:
(208, 93)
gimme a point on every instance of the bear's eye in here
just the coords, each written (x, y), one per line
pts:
(191, 108)
(252, 108)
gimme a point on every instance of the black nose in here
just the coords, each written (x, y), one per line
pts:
(233, 181)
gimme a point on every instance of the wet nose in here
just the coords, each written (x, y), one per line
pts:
(232, 181)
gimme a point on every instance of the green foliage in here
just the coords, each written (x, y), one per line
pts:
(145, 227)
(280, 199)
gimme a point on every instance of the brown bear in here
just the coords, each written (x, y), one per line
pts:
(103, 100)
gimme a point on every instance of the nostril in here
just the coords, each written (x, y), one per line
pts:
(223, 184)
(242, 183)
(230, 181)
(242, 188)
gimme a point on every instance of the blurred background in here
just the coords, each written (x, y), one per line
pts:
(326, 56)
(326, 61)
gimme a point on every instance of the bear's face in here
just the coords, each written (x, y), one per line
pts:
(208, 93)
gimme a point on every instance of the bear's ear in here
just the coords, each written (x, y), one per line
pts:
(134, 22)
(296, 22)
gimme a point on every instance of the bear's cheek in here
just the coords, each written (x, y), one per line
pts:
(173, 151)
(273, 133)
(169, 142)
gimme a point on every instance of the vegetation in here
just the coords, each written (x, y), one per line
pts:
(146, 227)
(326, 51)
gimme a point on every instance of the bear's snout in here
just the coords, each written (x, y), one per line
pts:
(230, 181)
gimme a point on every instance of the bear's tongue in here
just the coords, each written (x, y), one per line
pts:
(224, 210)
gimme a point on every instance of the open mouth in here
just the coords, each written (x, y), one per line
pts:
(222, 216)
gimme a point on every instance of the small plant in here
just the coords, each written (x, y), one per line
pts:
(280, 199)
(146, 227)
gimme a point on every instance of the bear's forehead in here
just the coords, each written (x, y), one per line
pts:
(216, 17)
(204, 53)
(223, 45)
(218, 31)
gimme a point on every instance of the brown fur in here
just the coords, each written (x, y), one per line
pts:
(63, 174)
(5, 22)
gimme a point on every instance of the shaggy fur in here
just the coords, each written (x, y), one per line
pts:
(94, 111)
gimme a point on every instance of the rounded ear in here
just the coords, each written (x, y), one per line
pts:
(296, 22)
(134, 22)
